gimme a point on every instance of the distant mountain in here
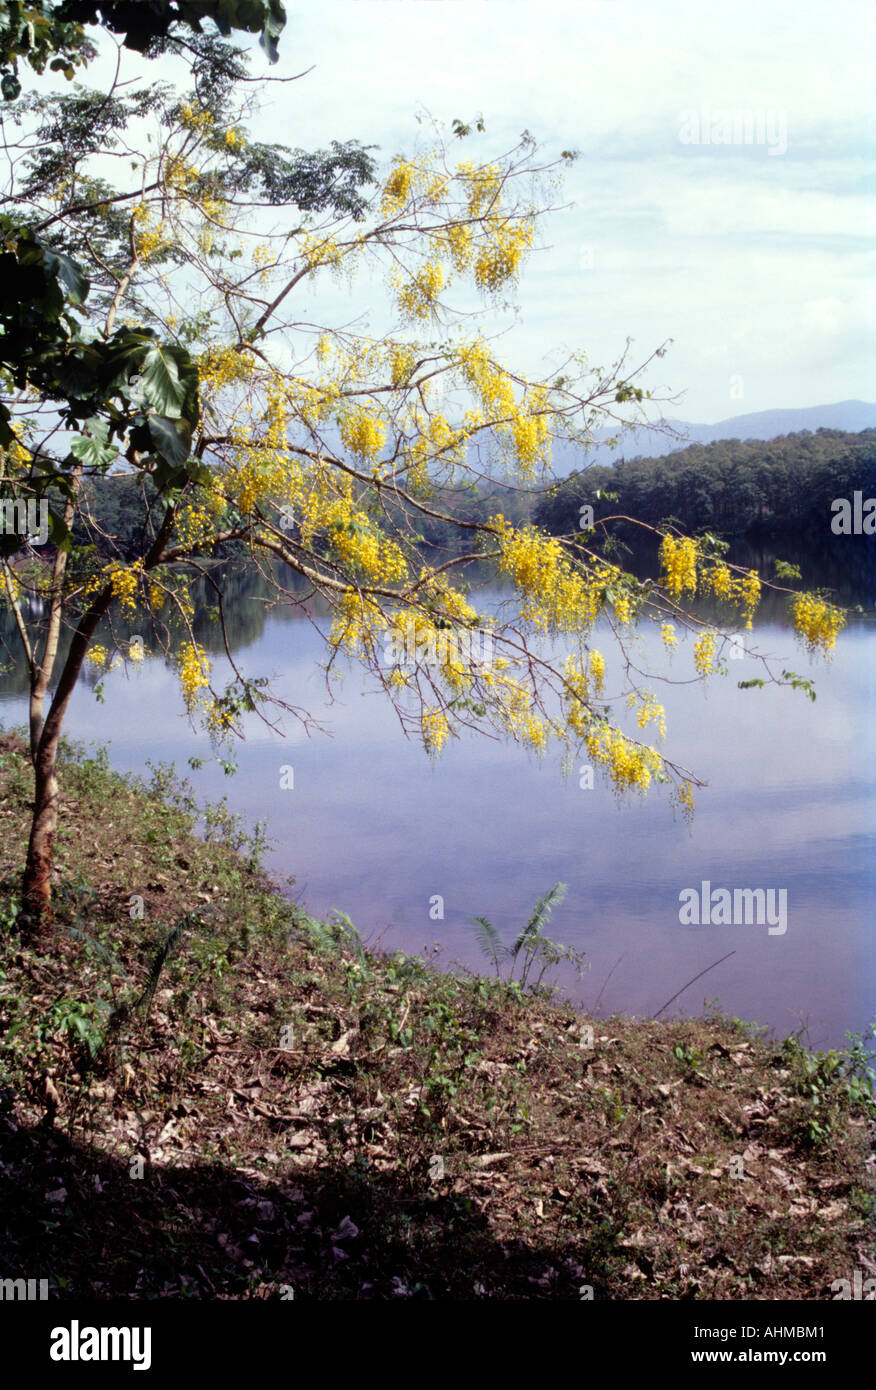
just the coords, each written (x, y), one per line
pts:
(852, 416)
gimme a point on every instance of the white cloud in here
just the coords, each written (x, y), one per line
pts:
(754, 264)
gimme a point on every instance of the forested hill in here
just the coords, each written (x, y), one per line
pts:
(736, 487)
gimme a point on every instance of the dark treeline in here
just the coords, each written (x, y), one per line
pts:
(115, 505)
(736, 488)
(752, 492)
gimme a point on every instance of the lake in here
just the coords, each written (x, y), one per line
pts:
(375, 828)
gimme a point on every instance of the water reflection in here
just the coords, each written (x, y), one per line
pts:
(374, 828)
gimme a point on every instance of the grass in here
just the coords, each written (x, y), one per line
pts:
(288, 1112)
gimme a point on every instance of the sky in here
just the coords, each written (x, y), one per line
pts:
(754, 255)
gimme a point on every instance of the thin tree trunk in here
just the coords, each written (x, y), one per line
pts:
(41, 672)
(36, 904)
(35, 917)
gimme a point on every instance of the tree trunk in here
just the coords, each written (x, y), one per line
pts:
(35, 915)
(36, 904)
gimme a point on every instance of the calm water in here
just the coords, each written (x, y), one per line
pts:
(376, 829)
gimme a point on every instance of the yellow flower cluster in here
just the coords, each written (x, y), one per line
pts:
(629, 765)
(667, 632)
(678, 559)
(155, 597)
(96, 654)
(15, 452)
(557, 598)
(260, 475)
(525, 426)
(402, 361)
(219, 367)
(448, 602)
(719, 580)
(532, 436)
(363, 433)
(704, 652)
(499, 261)
(149, 238)
(194, 527)
(359, 547)
(458, 241)
(319, 251)
(481, 184)
(744, 592)
(359, 626)
(193, 668)
(435, 729)
(747, 595)
(684, 798)
(577, 708)
(123, 580)
(195, 118)
(217, 719)
(817, 622)
(11, 590)
(648, 711)
(623, 609)
(494, 387)
(417, 297)
(397, 189)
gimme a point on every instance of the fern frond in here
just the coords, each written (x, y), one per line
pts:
(540, 916)
(489, 940)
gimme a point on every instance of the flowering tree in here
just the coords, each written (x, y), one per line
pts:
(186, 361)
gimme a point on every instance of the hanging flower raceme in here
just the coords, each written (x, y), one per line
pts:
(557, 597)
(678, 559)
(363, 433)
(193, 668)
(704, 653)
(817, 622)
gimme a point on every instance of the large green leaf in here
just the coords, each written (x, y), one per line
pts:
(59, 535)
(172, 438)
(159, 376)
(92, 452)
(72, 277)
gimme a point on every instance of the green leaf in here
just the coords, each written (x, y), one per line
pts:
(172, 438)
(159, 376)
(275, 19)
(540, 916)
(92, 452)
(73, 279)
(490, 942)
(58, 532)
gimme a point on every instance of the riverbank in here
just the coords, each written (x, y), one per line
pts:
(274, 1111)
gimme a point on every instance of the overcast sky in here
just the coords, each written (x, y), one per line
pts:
(756, 257)
(758, 264)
